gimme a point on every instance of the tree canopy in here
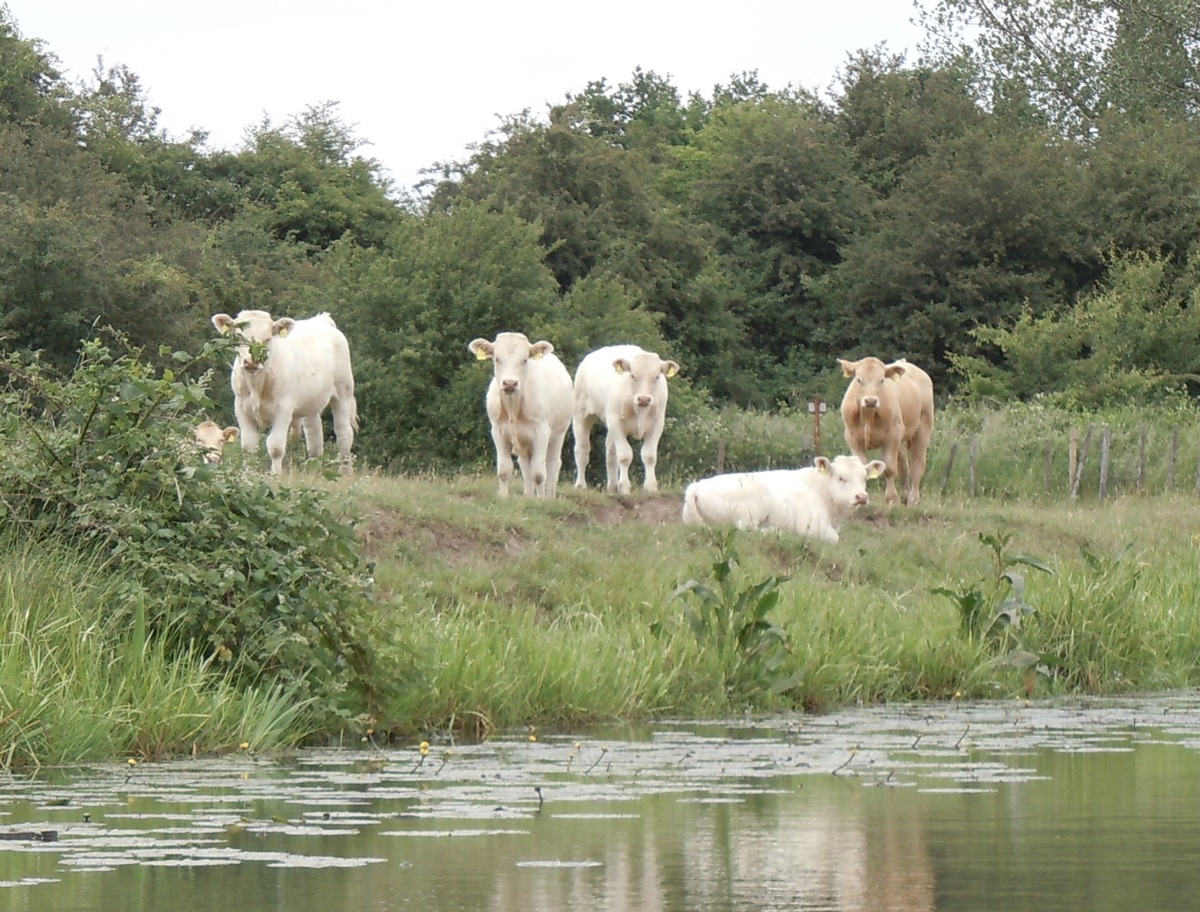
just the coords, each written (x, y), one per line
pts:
(1005, 198)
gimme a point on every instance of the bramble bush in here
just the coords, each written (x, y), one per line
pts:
(260, 578)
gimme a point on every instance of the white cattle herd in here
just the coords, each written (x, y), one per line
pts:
(287, 372)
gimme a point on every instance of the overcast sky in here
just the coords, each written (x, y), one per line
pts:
(420, 82)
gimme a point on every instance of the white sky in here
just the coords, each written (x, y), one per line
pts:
(419, 82)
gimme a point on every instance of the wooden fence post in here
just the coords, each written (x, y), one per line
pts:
(1172, 459)
(1083, 455)
(972, 459)
(1141, 467)
(950, 464)
(720, 456)
(1072, 457)
(1105, 452)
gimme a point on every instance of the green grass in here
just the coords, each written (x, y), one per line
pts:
(500, 613)
(80, 680)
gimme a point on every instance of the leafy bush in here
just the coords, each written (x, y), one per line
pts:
(751, 649)
(242, 569)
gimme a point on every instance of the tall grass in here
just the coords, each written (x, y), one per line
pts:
(80, 680)
(501, 613)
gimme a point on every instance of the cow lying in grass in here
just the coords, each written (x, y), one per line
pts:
(813, 501)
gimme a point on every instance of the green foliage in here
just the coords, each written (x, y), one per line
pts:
(260, 578)
(752, 651)
(994, 608)
(1131, 340)
(81, 679)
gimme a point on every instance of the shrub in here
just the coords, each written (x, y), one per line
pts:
(243, 569)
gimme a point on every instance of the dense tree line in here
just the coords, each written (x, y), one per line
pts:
(1017, 211)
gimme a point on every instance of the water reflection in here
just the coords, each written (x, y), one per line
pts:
(1082, 806)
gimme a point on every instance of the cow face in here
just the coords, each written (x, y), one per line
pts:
(510, 354)
(867, 377)
(254, 330)
(211, 439)
(847, 479)
(643, 371)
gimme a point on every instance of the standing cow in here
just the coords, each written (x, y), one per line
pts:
(626, 388)
(289, 371)
(814, 501)
(529, 406)
(890, 407)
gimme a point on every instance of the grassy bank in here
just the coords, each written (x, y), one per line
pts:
(500, 613)
(81, 680)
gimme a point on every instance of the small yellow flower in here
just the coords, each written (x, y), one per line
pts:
(132, 761)
(424, 748)
(533, 737)
(245, 745)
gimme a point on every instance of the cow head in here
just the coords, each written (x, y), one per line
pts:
(211, 439)
(254, 330)
(847, 479)
(643, 371)
(510, 352)
(867, 377)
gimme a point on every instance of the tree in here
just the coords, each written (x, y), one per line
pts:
(1078, 59)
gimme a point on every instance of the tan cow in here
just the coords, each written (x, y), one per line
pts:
(529, 406)
(889, 407)
(211, 439)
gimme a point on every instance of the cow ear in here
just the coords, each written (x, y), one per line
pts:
(621, 366)
(847, 367)
(875, 468)
(895, 370)
(671, 368)
(282, 326)
(231, 434)
(538, 349)
(822, 464)
(480, 348)
(223, 323)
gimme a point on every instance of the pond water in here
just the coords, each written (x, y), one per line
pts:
(1084, 805)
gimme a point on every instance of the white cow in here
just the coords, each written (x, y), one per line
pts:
(291, 370)
(529, 406)
(812, 501)
(211, 438)
(626, 388)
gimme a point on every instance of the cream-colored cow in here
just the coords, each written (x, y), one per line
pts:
(626, 388)
(289, 371)
(814, 501)
(529, 406)
(890, 407)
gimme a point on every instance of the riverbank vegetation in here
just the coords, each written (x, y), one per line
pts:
(1021, 224)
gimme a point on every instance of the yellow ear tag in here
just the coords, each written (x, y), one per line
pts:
(671, 371)
(481, 355)
(537, 355)
(874, 473)
(618, 368)
(283, 333)
(823, 470)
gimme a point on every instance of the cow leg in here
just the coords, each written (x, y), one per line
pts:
(345, 414)
(581, 428)
(277, 444)
(891, 457)
(554, 463)
(620, 457)
(650, 460)
(916, 465)
(247, 430)
(537, 461)
(314, 435)
(504, 458)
